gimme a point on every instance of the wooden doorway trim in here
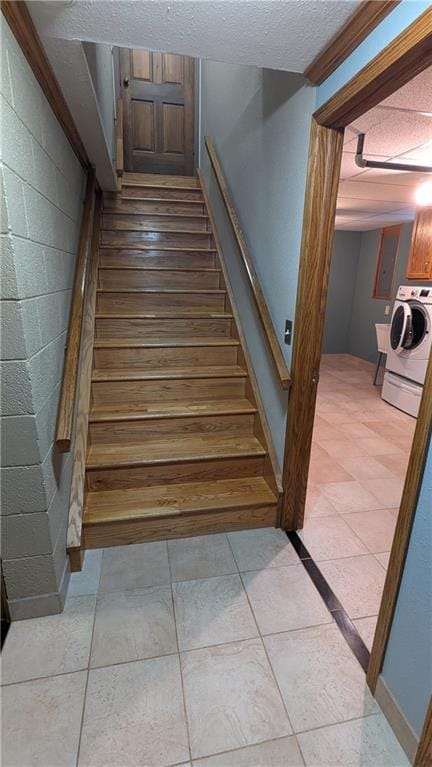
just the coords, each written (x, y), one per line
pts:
(406, 56)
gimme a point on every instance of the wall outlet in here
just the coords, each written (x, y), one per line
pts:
(288, 332)
(387, 310)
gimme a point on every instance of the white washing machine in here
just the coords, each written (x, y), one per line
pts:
(409, 348)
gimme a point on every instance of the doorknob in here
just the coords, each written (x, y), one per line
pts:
(126, 82)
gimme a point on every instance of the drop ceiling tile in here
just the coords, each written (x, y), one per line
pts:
(366, 206)
(398, 178)
(362, 190)
(417, 94)
(366, 122)
(398, 134)
(421, 154)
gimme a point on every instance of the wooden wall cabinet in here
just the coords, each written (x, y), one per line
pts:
(420, 257)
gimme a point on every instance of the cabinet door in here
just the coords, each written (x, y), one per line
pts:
(420, 258)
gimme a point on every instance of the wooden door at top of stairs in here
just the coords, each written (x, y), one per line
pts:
(158, 99)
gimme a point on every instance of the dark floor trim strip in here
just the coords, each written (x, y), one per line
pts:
(4, 625)
(345, 625)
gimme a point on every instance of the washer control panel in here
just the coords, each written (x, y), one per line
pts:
(409, 292)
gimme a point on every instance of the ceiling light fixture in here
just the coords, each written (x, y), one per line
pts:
(362, 163)
(423, 194)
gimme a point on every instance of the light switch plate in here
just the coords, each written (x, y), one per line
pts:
(387, 310)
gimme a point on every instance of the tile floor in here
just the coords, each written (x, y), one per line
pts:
(360, 452)
(213, 651)
(217, 651)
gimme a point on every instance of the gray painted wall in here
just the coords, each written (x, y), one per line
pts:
(260, 121)
(346, 250)
(407, 669)
(42, 188)
(359, 315)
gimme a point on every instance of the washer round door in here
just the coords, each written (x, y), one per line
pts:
(409, 327)
(401, 328)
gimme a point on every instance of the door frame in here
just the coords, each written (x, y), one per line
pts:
(406, 56)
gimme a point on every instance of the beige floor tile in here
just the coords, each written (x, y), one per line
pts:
(388, 490)
(326, 432)
(231, 698)
(397, 464)
(367, 742)
(341, 448)
(383, 558)
(374, 528)
(357, 430)
(134, 715)
(265, 547)
(378, 446)
(51, 645)
(41, 721)
(358, 583)
(365, 467)
(330, 538)
(320, 679)
(350, 496)
(327, 470)
(133, 625)
(366, 629)
(275, 753)
(317, 452)
(284, 599)
(200, 557)
(135, 566)
(87, 580)
(317, 505)
(212, 611)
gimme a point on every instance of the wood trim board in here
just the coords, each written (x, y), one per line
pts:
(24, 30)
(405, 57)
(360, 24)
(423, 757)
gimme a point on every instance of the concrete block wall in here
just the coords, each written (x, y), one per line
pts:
(42, 189)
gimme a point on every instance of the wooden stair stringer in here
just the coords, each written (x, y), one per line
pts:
(273, 472)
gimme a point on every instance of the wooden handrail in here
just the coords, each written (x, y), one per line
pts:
(119, 139)
(76, 502)
(65, 418)
(260, 302)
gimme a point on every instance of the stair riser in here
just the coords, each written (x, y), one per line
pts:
(158, 193)
(154, 328)
(157, 239)
(139, 278)
(105, 392)
(148, 222)
(171, 303)
(157, 258)
(185, 471)
(117, 205)
(171, 357)
(185, 525)
(138, 431)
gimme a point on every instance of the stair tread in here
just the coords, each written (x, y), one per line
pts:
(159, 180)
(183, 315)
(155, 230)
(152, 268)
(197, 448)
(156, 245)
(120, 343)
(144, 502)
(212, 291)
(136, 374)
(169, 409)
(197, 201)
(162, 214)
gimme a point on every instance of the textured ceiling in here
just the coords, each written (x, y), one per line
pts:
(399, 129)
(280, 34)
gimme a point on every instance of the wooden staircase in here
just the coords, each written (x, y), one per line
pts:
(177, 441)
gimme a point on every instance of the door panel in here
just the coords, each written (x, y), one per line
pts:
(158, 97)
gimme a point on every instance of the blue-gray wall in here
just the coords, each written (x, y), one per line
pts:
(407, 669)
(351, 312)
(260, 122)
(346, 249)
